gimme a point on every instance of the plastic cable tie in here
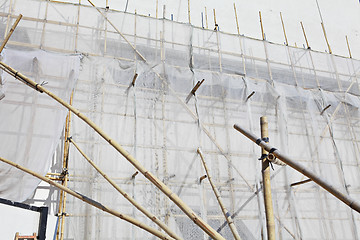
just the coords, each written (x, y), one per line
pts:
(258, 141)
(265, 139)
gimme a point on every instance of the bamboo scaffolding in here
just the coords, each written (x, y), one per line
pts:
(237, 22)
(118, 31)
(62, 207)
(327, 42)
(89, 201)
(262, 28)
(12, 29)
(348, 46)
(206, 19)
(226, 213)
(151, 216)
(283, 27)
(307, 43)
(300, 168)
(159, 184)
(270, 222)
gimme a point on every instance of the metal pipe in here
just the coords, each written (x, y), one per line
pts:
(300, 168)
(270, 222)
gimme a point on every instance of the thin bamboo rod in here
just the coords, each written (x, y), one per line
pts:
(89, 201)
(270, 222)
(159, 184)
(283, 26)
(216, 25)
(206, 19)
(151, 216)
(118, 31)
(236, 18)
(189, 11)
(157, 9)
(300, 168)
(327, 42)
(307, 43)
(262, 28)
(10, 32)
(347, 42)
(226, 213)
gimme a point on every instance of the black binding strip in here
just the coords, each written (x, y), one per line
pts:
(258, 141)
(265, 139)
(272, 150)
(16, 74)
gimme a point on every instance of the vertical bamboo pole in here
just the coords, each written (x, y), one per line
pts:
(283, 26)
(347, 42)
(227, 215)
(261, 25)
(237, 22)
(327, 42)
(157, 8)
(307, 43)
(206, 19)
(65, 166)
(216, 25)
(189, 11)
(10, 32)
(270, 222)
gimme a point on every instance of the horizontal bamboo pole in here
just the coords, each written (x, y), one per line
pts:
(300, 168)
(227, 215)
(159, 184)
(89, 201)
(151, 216)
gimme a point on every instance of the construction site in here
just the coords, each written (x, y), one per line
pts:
(129, 126)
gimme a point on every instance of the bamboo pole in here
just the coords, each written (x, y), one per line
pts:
(226, 213)
(157, 8)
(159, 184)
(300, 168)
(261, 25)
(327, 42)
(307, 43)
(216, 25)
(237, 22)
(270, 222)
(283, 26)
(118, 31)
(89, 201)
(206, 19)
(347, 42)
(65, 166)
(10, 32)
(189, 11)
(151, 216)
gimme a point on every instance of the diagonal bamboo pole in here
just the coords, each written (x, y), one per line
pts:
(89, 201)
(10, 33)
(227, 215)
(300, 168)
(151, 216)
(159, 184)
